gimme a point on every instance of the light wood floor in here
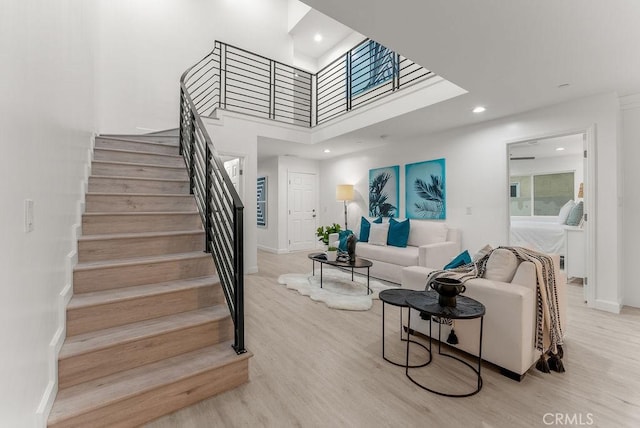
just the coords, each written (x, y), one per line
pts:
(319, 367)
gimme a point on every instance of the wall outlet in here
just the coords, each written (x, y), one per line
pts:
(28, 215)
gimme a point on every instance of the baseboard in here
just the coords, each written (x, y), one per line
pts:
(50, 392)
(608, 306)
(250, 270)
(273, 250)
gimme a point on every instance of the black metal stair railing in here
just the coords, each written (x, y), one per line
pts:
(237, 80)
(218, 201)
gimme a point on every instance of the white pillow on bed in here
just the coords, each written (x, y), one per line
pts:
(565, 210)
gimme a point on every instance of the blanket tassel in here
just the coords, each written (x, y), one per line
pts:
(542, 365)
(555, 363)
(560, 352)
(452, 338)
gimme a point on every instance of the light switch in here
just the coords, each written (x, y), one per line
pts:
(28, 215)
(468, 210)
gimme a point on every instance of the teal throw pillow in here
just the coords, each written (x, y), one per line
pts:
(398, 233)
(464, 258)
(344, 235)
(365, 228)
(575, 215)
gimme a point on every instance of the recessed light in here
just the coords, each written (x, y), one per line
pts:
(317, 37)
(559, 149)
(479, 109)
(327, 151)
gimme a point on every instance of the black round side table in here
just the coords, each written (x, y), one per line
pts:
(397, 297)
(466, 308)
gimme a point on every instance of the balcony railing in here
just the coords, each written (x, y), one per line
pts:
(237, 80)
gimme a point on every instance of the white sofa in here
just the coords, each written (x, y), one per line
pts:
(509, 322)
(430, 243)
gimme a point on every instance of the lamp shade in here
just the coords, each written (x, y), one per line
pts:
(344, 192)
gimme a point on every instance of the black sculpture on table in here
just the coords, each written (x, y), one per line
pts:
(351, 246)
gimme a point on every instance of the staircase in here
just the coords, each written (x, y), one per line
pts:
(148, 328)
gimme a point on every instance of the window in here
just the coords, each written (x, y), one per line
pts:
(541, 194)
(371, 65)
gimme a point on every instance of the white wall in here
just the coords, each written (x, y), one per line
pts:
(268, 236)
(237, 134)
(631, 197)
(46, 124)
(477, 177)
(147, 44)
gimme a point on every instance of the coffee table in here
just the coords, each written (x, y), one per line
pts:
(358, 263)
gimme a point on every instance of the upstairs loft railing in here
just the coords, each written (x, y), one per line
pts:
(237, 80)
(360, 76)
(219, 204)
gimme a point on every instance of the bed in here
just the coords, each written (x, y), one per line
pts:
(541, 233)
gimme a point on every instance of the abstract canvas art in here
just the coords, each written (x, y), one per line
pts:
(384, 191)
(426, 190)
(261, 192)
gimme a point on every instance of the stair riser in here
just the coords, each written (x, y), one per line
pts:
(138, 203)
(106, 278)
(98, 317)
(124, 356)
(124, 170)
(120, 248)
(164, 400)
(133, 157)
(123, 185)
(136, 147)
(104, 224)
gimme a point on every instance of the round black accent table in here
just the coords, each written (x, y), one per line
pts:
(466, 308)
(397, 297)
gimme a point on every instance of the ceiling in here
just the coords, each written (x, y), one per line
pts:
(511, 55)
(313, 23)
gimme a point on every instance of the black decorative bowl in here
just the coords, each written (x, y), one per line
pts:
(447, 289)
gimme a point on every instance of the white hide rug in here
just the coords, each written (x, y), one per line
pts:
(338, 291)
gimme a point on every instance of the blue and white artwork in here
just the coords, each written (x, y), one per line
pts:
(426, 190)
(261, 212)
(384, 191)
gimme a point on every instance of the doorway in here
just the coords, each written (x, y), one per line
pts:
(548, 177)
(234, 167)
(301, 209)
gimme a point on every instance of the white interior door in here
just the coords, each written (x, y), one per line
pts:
(233, 169)
(301, 211)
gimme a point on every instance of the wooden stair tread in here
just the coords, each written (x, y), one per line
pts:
(124, 213)
(100, 392)
(137, 152)
(103, 339)
(139, 260)
(146, 165)
(136, 139)
(123, 177)
(129, 195)
(83, 300)
(111, 236)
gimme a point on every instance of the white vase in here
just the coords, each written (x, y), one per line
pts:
(332, 255)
